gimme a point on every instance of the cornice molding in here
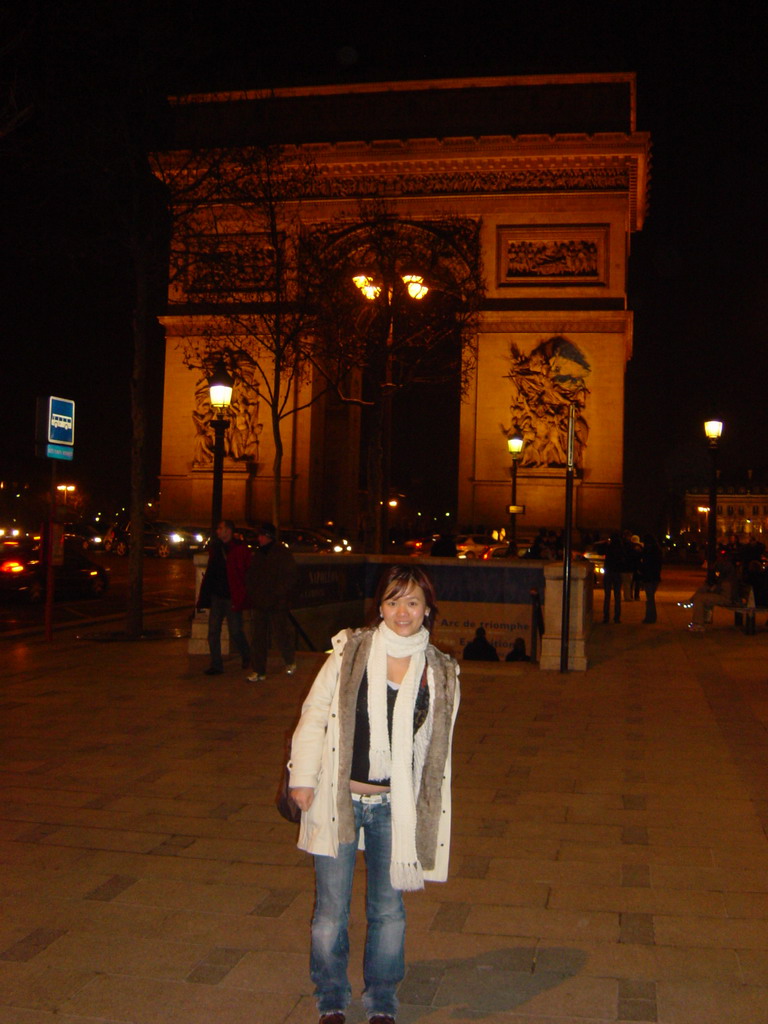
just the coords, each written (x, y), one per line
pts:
(488, 165)
(570, 323)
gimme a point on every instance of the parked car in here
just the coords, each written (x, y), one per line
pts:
(12, 530)
(472, 545)
(161, 538)
(302, 540)
(200, 535)
(504, 549)
(417, 546)
(23, 573)
(89, 537)
(596, 559)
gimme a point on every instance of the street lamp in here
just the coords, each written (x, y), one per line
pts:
(220, 388)
(373, 287)
(713, 430)
(66, 490)
(515, 446)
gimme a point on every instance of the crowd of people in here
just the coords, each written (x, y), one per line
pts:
(264, 581)
(737, 576)
(631, 567)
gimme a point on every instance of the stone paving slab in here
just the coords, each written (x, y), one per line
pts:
(609, 858)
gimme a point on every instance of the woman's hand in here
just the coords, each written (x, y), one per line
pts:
(303, 795)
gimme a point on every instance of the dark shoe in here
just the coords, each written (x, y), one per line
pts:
(381, 1018)
(214, 671)
(337, 1017)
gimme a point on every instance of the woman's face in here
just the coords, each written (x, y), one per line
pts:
(405, 613)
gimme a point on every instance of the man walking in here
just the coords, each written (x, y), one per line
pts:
(271, 579)
(223, 591)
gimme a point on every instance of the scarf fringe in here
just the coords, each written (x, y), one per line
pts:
(408, 877)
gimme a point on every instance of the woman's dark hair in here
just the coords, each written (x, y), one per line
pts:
(396, 581)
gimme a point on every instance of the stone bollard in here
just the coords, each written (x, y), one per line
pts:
(582, 586)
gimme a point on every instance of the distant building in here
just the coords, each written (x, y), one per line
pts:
(554, 175)
(741, 510)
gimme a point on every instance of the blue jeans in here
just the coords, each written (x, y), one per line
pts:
(384, 959)
(221, 608)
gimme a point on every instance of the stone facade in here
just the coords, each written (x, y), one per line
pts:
(555, 173)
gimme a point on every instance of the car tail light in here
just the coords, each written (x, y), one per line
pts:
(11, 566)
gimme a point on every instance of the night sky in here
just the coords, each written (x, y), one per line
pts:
(698, 269)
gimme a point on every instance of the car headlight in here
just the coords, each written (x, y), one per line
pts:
(176, 538)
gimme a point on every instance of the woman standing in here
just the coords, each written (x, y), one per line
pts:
(370, 769)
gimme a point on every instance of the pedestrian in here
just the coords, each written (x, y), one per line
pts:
(613, 567)
(629, 567)
(637, 583)
(724, 591)
(480, 648)
(223, 591)
(649, 572)
(271, 581)
(370, 768)
(517, 653)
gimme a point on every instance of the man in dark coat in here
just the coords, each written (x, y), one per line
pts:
(223, 592)
(650, 574)
(271, 580)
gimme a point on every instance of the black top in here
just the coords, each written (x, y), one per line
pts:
(218, 584)
(362, 741)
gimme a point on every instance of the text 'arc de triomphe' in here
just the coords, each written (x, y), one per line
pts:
(555, 175)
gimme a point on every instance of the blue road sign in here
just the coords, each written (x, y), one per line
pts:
(61, 421)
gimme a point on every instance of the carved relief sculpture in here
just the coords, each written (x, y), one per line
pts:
(574, 254)
(544, 386)
(241, 440)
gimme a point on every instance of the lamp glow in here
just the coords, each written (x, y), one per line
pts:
(367, 286)
(415, 286)
(515, 445)
(220, 387)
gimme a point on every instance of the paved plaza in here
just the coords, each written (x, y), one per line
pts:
(609, 859)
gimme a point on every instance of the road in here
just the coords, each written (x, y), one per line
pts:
(168, 583)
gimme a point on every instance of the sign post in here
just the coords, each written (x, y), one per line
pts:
(567, 546)
(54, 440)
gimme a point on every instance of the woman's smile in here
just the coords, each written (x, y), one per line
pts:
(404, 614)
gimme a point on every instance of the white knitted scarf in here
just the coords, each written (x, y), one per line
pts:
(403, 763)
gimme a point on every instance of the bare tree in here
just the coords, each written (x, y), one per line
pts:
(237, 257)
(275, 298)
